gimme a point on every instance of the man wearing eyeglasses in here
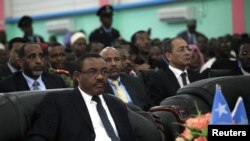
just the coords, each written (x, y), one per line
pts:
(165, 83)
(31, 77)
(83, 114)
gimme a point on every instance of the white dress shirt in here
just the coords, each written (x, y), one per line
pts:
(100, 132)
(178, 73)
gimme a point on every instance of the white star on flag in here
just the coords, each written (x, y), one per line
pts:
(221, 109)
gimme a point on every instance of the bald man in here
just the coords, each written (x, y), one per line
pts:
(132, 89)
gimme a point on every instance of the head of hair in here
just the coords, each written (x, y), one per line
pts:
(133, 38)
(16, 40)
(21, 51)
(106, 10)
(55, 44)
(168, 44)
(84, 57)
(25, 21)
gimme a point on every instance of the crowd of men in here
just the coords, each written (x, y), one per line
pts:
(141, 72)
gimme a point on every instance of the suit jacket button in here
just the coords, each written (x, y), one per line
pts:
(93, 135)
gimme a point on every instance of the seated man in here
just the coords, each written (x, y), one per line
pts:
(85, 113)
(165, 83)
(128, 88)
(31, 76)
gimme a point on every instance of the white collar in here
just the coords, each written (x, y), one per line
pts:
(87, 97)
(244, 72)
(30, 80)
(177, 72)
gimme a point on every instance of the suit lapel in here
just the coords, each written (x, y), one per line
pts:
(129, 88)
(172, 78)
(22, 84)
(79, 104)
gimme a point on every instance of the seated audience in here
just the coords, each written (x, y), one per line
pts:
(31, 76)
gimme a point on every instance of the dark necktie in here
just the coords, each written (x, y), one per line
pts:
(184, 79)
(35, 85)
(103, 115)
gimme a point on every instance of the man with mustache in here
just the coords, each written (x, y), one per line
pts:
(75, 115)
(165, 83)
(31, 76)
(128, 88)
(127, 63)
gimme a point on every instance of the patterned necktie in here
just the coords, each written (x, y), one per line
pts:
(119, 91)
(184, 79)
(103, 115)
(35, 85)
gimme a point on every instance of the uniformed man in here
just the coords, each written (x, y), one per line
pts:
(25, 24)
(105, 34)
(57, 63)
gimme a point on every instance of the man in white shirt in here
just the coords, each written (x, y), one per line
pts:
(165, 83)
(83, 114)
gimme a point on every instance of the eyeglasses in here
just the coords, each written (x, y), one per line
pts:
(183, 49)
(245, 53)
(95, 72)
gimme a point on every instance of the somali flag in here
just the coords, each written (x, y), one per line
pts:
(221, 114)
(239, 113)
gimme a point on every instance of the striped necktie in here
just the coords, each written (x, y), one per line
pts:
(35, 85)
(119, 91)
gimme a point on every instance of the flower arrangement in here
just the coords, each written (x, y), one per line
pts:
(196, 128)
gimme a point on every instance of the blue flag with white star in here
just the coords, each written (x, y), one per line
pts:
(221, 114)
(239, 113)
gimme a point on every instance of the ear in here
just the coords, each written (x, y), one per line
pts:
(19, 62)
(168, 55)
(76, 76)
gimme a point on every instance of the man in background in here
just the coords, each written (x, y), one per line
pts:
(105, 34)
(31, 76)
(165, 83)
(128, 88)
(12, 65)
(25, 24)
(191, 36)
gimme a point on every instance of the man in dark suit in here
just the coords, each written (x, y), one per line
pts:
(105, 34)
(12, 65)
(191, 36)
(31, 76)
(25, 24)
(75, 115)
(165, 83)
(133, 90)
